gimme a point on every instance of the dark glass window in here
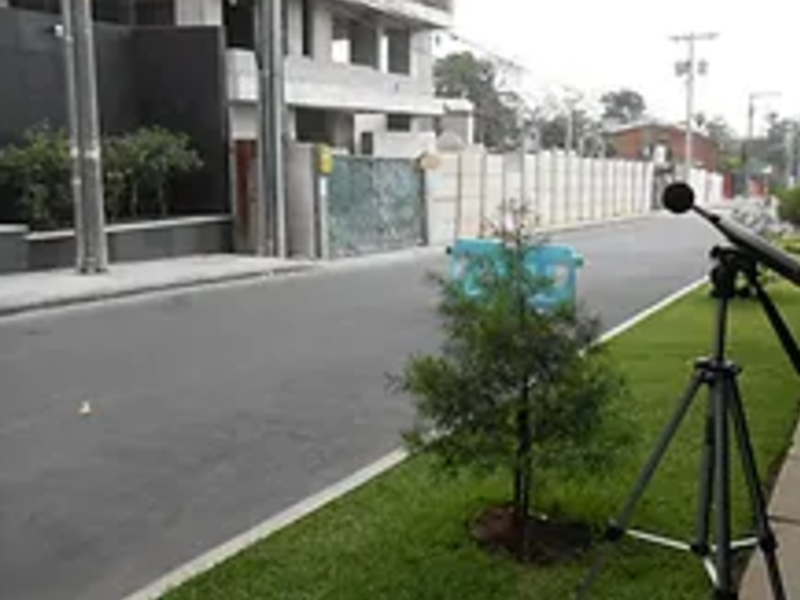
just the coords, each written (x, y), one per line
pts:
(121, 12)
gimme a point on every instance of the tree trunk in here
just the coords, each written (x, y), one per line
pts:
(523, 477)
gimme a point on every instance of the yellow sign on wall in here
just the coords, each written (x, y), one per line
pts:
(325, 164)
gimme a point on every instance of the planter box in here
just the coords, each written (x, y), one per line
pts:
(147, 240)
(13, 248)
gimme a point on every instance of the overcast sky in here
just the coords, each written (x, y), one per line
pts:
(604, 44)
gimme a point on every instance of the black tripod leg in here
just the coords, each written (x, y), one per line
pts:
(766, 537)
(703, 523)
(721, 393)
(618, 526)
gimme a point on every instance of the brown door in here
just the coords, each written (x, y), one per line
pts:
(246, 187)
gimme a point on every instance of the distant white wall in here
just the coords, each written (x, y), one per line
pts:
(473, 187)
(394, 144)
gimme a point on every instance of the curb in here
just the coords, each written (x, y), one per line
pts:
(114, 294)
(370, 261)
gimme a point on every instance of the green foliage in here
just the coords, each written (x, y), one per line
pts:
(514, 387)
(150, 158)
(464, 75)
(789, 206)
(137, 170)
(623, 106)
(37, 172)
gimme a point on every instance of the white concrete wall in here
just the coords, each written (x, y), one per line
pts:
(396, 144)
(472, 187)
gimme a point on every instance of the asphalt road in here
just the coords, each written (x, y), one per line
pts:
(216, 409)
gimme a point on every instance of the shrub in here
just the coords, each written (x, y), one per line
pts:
(789, 206)
(137, 171)
(151, 159)
(38, 173)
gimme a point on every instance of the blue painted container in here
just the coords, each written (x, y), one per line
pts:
(558, 264)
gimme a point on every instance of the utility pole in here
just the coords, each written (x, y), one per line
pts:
(85, 146)
(690, 69)
(271, 202)
(751, 124)
(790, 138)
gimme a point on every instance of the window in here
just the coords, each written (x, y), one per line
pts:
(342, 46)
(121, 12)
(307, 9)
(154, 12)
(239, 20)
(399, 51)
(46, 6)
(398, 122)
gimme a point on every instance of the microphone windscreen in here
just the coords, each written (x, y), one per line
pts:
(678, 197)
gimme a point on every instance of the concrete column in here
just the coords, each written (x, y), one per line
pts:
(294, 26)
(198, 12)
(422, 59)
(322, 45)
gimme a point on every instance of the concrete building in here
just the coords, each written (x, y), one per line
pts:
(359, 73)
(663, 143)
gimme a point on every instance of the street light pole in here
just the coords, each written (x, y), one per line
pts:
(751, 123)
(689, 70)
(85, 145)
(271, 202)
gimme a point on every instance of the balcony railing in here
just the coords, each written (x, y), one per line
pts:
(436, 13)
(334, 86)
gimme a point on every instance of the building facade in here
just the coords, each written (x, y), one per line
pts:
(664, 143)
(359, 73)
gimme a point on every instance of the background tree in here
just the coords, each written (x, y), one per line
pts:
(729, 146)
(770, 150)
(623, 106)
(514, 387)
(464, 75)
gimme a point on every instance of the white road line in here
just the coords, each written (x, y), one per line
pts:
(313, 503)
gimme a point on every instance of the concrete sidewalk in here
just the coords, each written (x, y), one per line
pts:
(784, 513)
(27, 292)
(40, 290)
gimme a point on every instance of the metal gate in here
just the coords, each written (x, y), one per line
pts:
(374, 205)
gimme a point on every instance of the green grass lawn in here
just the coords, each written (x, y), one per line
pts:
(405, 535)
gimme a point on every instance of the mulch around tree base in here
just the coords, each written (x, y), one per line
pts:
(551, 541)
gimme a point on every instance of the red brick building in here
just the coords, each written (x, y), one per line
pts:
(641, 140)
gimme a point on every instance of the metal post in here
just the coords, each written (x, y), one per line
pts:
(688, 138)
(261, 212)
(93, 256)
(271, 202)
(747, 158)
(68, 39)
(523, 167)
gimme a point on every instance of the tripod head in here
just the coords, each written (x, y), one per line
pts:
(729, 263)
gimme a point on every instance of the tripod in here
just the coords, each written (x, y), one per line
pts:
(724, 408)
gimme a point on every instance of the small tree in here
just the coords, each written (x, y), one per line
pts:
(513, 387)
